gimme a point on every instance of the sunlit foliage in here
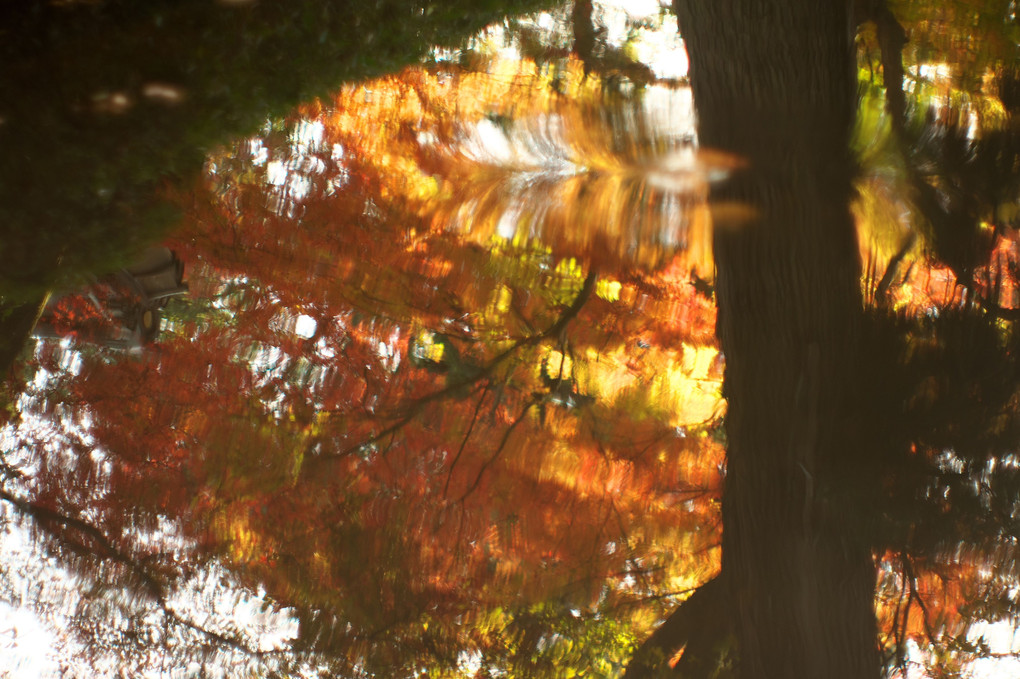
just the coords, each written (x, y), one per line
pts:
(396, 423)
(446, 395)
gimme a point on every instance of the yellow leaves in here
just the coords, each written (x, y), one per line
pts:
(608, 290)
(295, 470)
(686, 389)
(570, 268)
(567, 281)
(607, 373)
(993, 113)
(880, 214)
(503, 298)
(557, 366)
(232, 529)
(506, 153)
(697, 361)
(695, 396)
(500, 302)
(422, 187)
(427, 349)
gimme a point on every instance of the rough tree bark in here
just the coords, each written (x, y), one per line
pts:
(774, 83)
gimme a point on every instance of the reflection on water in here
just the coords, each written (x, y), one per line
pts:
(421, 438)
(444, 399)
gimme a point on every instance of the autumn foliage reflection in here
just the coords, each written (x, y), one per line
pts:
(447, 388)
(395, 422)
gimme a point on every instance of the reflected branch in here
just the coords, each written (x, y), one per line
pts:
(892, 38)
(499, 449)
(467, 435)
(893, 267)
(915, 597)
(641, 601)
(417, 406)
(104, 549)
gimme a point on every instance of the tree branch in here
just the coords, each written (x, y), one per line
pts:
(893, 267)
(104, 548)
(499, 449)
(415, 408)
(891, 39)
(463, 443)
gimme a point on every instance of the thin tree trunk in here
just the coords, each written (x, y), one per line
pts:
(774, 82)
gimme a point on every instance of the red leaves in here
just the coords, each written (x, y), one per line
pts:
(358, 468)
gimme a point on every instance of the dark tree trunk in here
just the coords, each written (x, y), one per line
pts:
(16, 323)
(774, 83)
(584, 32)
(701, 626)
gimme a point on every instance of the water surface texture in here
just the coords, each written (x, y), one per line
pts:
(420, 340)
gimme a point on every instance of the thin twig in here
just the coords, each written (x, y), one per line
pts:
(467, 435)
(499, 449)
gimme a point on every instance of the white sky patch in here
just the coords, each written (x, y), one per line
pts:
(935, 72)
(995, 668)
(292, 175)
(70, 360)
(323, 350)
(259, 153)
(305, 326)
(469, 662)
(1002, 639)
(667, 57)
(276, 173)
(36, 595)
(266, 362)
(27, 647)
(538, 146)
(307, 136)
(547, 21)
(661, 50)
(225, 606)
(388, 351)
(489, 142)
(39, 598)
(508, 221)
(298, 186)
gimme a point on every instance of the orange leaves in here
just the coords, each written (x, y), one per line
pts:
(392, 394)
(924, 602)
(503, 154)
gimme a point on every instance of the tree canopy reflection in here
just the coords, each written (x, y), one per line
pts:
(458, 412)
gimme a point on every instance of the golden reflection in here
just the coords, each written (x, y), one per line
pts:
(503, 153)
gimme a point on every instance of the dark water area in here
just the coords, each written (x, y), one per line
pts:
(547, 346)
